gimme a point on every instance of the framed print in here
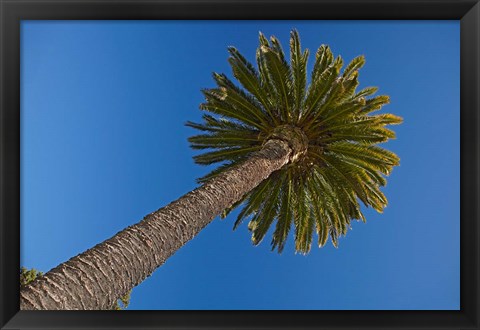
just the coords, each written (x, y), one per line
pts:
(338, 138)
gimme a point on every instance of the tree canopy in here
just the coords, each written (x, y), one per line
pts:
(336, 162)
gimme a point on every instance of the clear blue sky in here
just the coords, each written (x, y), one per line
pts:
(103, 142)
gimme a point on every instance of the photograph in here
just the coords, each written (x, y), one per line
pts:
(240, 165)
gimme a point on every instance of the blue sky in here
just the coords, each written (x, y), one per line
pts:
(103, 142)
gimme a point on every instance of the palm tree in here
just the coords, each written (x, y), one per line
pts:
(294, 154)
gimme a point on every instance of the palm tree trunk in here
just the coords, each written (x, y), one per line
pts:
(96, 278)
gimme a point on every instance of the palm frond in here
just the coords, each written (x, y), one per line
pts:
(250, 79)
(280, 78)
(225, 154)
(354, 65)
(285, 214)
(298, 62)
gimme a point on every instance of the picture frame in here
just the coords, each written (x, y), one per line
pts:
(13, 11)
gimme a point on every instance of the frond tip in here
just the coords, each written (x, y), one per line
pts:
(340, 165)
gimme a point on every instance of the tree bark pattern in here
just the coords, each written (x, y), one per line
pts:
(96, 278)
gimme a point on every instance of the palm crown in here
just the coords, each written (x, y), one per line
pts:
(328, 124)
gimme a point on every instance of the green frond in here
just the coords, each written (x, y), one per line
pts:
(339, 114)
(250, 79)
(263, 41)
(226, 154)
(350, 85)
(254, 201)
(222, 140)
(303, 220)
(328, 205)
(200, 127)
(359, 178)
(241, 100)
(321, 221)
(323, 60)
(354, 65)
(330, 100)
(366, 125)
(265, 216)
(338, 202)
(298, 62)
(212, 124)
(366, 92)
(285, 214)
(280, 77)
(317, 92)
(337, 168)
(367, 139)
(322, 91)
(276, 46)
(375, 103)
(388, 119)
(218, 103)
(378, 158)
(374, 171)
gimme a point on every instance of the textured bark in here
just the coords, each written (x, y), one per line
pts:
(96, 278)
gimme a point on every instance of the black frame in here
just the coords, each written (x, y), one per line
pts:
(13, 11)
